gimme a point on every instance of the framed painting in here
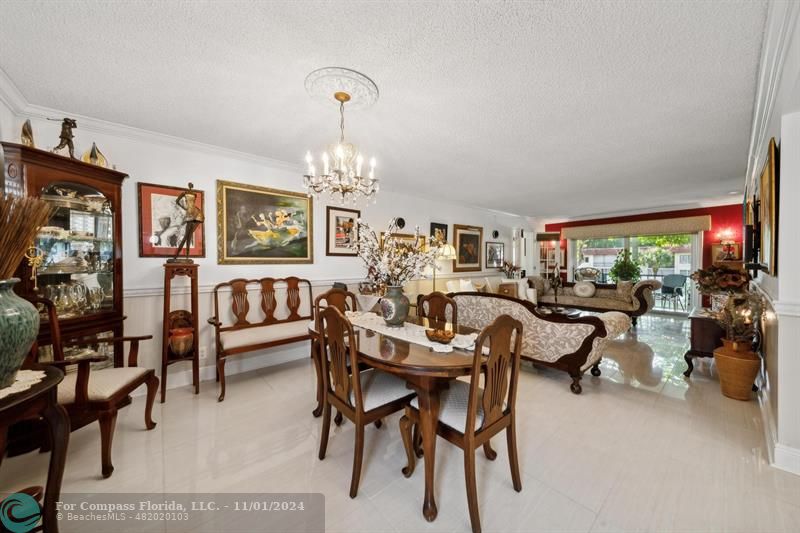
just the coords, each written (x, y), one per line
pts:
(768, 211)
(719, 252)
(258, 225)
(341, 231)
(405, 239)
(467, 242)
(161, 225)
(495, 254)
(438, 232)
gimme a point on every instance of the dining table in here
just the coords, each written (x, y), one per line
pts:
(426, 371)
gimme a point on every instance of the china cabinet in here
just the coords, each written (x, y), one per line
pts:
(80, 247)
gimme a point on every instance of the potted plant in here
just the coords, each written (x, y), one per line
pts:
(391, 262)
(737, 363)
(625, 268)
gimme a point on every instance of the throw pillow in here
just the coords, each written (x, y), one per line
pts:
(625, 291)
(466, 285)
(584, 289)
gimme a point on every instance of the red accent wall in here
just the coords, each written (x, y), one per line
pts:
(724, 217)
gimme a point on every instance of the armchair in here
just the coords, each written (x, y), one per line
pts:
(96, 394)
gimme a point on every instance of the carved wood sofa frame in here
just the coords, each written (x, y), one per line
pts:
(571, 363)
(639, 294)
(240, 306)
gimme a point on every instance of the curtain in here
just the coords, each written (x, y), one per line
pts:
(663, 226)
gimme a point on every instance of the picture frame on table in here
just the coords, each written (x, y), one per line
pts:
(161, 224)
(495, 254)
(468, 241)
(341, 231)
(259, 225)
(768, 187)
(718, 252)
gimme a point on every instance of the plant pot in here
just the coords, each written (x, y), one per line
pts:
(19, 325)
(181, 341)
(738, 367)
(394, 306)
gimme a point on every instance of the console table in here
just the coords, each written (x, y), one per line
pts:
(40, 401)
(705, 337)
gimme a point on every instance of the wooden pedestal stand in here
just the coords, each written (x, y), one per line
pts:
(179, 318)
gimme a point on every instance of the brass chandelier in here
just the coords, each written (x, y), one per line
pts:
(343, 175)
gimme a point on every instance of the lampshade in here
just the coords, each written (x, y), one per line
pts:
(446, 251)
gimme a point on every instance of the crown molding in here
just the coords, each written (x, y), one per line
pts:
(11, 95)
(778, 29)
(19, 105)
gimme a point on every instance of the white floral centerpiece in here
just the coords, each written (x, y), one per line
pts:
(391, 262)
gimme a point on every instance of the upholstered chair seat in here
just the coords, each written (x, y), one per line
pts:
(103, 384)
(380, 388)
(453, 406)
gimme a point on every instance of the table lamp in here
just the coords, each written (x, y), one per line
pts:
(447, 252)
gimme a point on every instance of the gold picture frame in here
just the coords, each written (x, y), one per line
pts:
(468, 241)
(768, 211)
(263, 226)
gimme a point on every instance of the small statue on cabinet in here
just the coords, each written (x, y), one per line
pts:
(66, 136)
(27, 135)
(193, 217)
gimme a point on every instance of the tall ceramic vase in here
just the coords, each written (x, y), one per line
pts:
(394, 306)
(19, 325)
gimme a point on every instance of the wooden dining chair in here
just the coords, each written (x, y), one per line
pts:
(434, 306)
(469, 416)
(344, 301)
(362, 396)
(97, 394)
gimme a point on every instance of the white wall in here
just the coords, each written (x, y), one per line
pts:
(777, 115)
(155, 158)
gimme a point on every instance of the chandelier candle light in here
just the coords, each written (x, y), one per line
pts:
(342, 174)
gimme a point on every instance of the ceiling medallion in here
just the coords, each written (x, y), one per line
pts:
(342, 163)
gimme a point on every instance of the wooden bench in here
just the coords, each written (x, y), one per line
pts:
(274, 324)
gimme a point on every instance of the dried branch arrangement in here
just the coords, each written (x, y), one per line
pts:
(20, 220)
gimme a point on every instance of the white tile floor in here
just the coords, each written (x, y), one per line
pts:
(642, 449)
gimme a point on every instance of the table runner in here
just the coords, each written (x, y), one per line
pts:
(409, 332)
(24, 381)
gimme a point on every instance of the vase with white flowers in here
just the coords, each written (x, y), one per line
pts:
(392, 261)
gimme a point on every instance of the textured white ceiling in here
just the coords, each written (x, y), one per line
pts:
(540, 108)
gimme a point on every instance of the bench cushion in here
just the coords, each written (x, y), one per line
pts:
(102, 383)
(262, 334)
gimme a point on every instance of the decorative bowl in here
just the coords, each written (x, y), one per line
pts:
(440, 335)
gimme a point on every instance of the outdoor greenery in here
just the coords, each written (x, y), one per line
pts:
(655, 258)
(625, 268)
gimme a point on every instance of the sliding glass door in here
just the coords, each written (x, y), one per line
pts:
(668, 258)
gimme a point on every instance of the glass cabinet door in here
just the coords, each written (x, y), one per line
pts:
(77, 244)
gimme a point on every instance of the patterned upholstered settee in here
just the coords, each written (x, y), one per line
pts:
(626, 297)
(570, 344)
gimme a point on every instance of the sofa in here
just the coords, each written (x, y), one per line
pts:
(573, 345)
(626, 297)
